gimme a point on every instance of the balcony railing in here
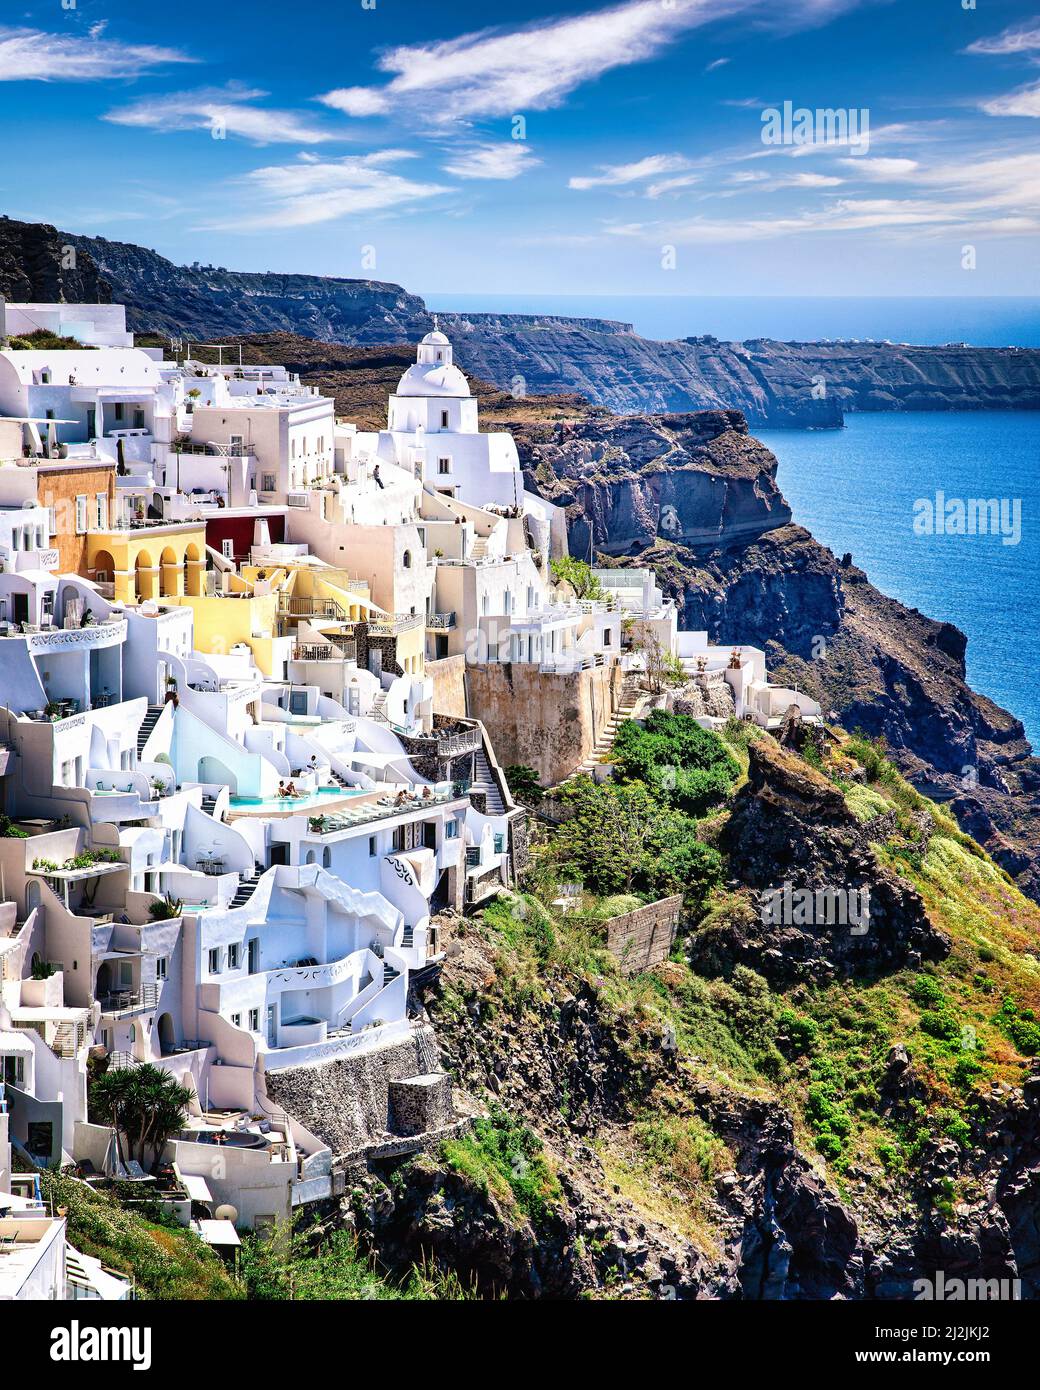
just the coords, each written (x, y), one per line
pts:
(441, 621)
(325, 652)
(232, 451)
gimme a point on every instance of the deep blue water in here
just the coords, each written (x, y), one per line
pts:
(855, 489)
(984, 322)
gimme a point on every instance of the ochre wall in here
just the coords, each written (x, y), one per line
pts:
(551, 723)
(59, 487)
(449, 685)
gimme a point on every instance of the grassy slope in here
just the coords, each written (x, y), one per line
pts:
(820, 1050)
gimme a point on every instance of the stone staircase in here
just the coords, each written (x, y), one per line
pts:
(209, 803)
(631, 698)
(148, 723)
(408, 937)
(390, 973)
(479, 551)
(246, 887)
(484, 781)
(378, 710)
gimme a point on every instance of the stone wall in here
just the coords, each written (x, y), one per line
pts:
(346, 1102)
(449, 685)
(643, 938)
(549, 722)
(420, 1103)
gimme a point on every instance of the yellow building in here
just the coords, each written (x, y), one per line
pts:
(223, 621)
(149, 562)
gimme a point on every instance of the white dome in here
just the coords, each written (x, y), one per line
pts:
(436, 338)
(433, 379)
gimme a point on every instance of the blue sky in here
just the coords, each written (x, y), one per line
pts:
(380, 141)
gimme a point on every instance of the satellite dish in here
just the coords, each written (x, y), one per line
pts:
(226, 1212)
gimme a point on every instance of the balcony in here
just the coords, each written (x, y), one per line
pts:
(227, 451)
(441, 622)
(121, 1003)
(325, 651)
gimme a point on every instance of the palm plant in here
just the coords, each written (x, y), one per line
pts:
(144, 1105)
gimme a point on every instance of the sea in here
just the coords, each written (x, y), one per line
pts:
(891, 488)
(871, 488)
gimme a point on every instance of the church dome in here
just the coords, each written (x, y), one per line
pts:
(433, 379)
(436, 338)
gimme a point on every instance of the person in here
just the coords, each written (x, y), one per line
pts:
(375, 476)
(291, 790)
(281, 789)
(426, 792)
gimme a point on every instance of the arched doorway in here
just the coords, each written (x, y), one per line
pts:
(169, 574)
(194, 568)
(144, 576)
(167, 1035)
(104, 567)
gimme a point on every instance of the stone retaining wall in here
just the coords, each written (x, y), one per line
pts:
(643, 938)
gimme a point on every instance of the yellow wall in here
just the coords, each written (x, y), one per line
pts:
(149, 563)
(221, 622)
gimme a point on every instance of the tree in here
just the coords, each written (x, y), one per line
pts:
(605, 843)
(144, 1105)
(578, 575)
(524, 784)
(688, 767)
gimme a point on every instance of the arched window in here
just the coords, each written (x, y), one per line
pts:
(407, 560)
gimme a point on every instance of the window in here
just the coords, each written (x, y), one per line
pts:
(232, 955)
(254, 1020)
(253, 954)
(160, 967)
(214, 961)
(119, 410)
(81, 515)
(268, 482)
(444, 419)
(102, 511)
(444, 465)
(406, 559)
(47, 600)
(236, 1019)
(373, 847)
(451, 830)
(606, 636)
(227, 548)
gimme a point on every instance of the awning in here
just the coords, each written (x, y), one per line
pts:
(195, 1186)
(217, 1232)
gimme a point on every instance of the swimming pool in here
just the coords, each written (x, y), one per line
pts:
(324, 796)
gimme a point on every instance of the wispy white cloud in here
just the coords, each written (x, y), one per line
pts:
(1023, 101)
(717, 63)
(493, 159)
(882, 168)
(673, 185)
(32, 55)
(1017, 38)
(227, 109)
(998, 195)
(312, 190)
(495, 73)
(616, 175)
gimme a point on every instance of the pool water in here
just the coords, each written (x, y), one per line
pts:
(324, 796)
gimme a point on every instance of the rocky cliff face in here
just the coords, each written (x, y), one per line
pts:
(36, 267)
(696, 498)
(804, 385)
(209, 301)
